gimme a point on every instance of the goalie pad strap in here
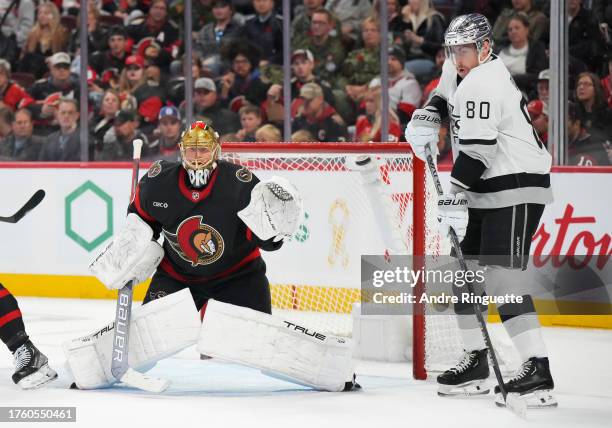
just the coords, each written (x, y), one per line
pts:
(158, 330)
(278, 348)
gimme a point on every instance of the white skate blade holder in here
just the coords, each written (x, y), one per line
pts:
(534, 400)
(142, 381)
(39, 378)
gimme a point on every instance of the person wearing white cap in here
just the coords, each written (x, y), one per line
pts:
(207, 107)
(60, 82)
(542, 85)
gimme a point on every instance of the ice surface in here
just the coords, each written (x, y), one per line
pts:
(214, 394)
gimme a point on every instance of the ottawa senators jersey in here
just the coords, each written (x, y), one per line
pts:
(204, 239)
(499, 158)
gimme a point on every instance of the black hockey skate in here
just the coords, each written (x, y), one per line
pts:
(533, 383)
(467, 377)
(31, 367)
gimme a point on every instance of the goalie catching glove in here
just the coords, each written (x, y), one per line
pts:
(275, 209)
(423, 130)
(453, 212)
(130, 256)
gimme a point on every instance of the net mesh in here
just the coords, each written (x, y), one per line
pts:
(350, 191)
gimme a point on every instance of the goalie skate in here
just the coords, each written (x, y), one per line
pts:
(31, 367)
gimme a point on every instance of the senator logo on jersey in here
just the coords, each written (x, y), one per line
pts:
(196, 242)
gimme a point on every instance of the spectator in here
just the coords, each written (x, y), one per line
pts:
(368, 126)
(21, 145)
(265, 30)
(396, 23)
(64, 145)
(301, 23)
(97, 35)
(538, 22)
(489, 8)
(117, 144)
(159, 27)
(583, 150)
(201, 12)
(302, 136)
(538, 111)
(585, 40)
(350, 13)
(243, 80)
(542, 85)
(115, 54)
(404, 90)
(47, 37)
(13, 95)
(6, 120)
(103, 121)
(207, 107)
(216, 35)
(132, 77)
(591, 104)
(328, 51)
(251, 120)
(167, 145)
(48, 91)
(318, 117)
(268, 133)
(524, 57)
(138, 92)
(606, 82)
(362, 65)
(153, 54)
(302, 64)
(423, 36)
(18, 23)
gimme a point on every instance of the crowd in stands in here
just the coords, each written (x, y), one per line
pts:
(136, 64)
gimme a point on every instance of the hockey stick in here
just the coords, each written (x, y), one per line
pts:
(32, 203)
(120, 368)
(513, 402)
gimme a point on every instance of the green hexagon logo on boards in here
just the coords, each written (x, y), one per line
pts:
(89, 215)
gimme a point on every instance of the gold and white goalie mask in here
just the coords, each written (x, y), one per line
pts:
(200, 149)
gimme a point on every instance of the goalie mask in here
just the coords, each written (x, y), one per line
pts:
(200, 150)
(473, 28)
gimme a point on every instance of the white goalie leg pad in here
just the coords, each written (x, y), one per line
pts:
(276, 347)
(118, 263)
(158, 329)
(275, 209)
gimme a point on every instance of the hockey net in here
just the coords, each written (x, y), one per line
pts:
(315, 279)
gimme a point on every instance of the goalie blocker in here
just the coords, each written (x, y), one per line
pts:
(161, 328)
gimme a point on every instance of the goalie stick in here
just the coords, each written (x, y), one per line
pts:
(120, 368)
(32, 203)
(513, 401)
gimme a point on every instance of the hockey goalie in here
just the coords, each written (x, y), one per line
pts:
(215, 218)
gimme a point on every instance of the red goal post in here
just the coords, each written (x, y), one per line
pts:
(330, 158)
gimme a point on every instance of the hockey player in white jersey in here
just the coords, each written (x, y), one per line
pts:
(502, 169)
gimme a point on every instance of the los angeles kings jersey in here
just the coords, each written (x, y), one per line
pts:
(498, 158)
(204, 239)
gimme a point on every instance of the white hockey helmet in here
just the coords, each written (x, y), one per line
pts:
(467, 29)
